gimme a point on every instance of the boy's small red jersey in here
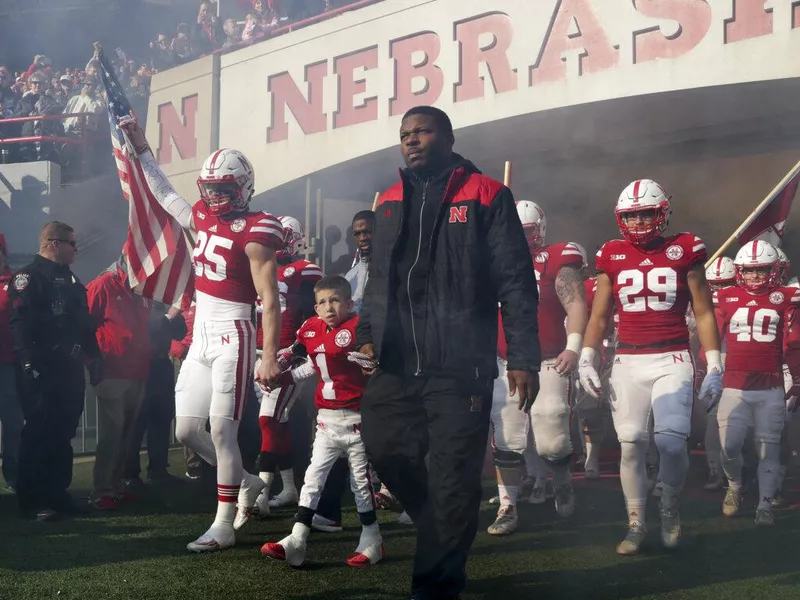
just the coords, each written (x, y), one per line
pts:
(341, 382)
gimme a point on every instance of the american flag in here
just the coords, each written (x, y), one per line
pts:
(769, 223)
(157, 251)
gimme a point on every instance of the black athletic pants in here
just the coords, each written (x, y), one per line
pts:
(403, 419)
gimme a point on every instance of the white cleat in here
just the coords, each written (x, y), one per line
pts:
(404, 519)
(320, 523)
(565, 500)
(538, 495)
(732, 502)
(764, 517)
(247, 507)
(371, 553)
(285, 498)
(213, 540)
(637, 532)
(670, 527)
(506, 522)
(290, 549)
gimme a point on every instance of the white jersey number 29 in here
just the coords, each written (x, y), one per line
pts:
(764, 327)
(636, 289)
(213, 266)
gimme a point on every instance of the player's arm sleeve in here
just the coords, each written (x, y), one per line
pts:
(514, 281)
(22, 318)
(175, 204)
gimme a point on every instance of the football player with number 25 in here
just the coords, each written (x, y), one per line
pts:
(234, 260)
(651, 279)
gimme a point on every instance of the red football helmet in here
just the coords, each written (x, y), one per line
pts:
(643, 196)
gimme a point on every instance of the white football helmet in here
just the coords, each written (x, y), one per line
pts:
(721, 273)
(643, 195)
(786, 265)
(584, 256)
(754, 255)
(534, 223)
(226, 182)
(294, 236)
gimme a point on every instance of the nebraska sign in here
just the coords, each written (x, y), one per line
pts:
(580, 40)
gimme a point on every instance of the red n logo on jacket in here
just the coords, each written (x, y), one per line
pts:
(458, 214)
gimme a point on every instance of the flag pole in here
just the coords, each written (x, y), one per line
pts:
(507, 174)
(752, 216)
(375, 201)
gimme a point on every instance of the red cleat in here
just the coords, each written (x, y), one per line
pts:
(273, 550)
(369, 557)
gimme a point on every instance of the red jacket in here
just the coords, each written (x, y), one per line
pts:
(123, 326)
(6, 343)
(179, 349)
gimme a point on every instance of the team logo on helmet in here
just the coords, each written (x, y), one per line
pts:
(288, 271)
(542, 257)
(343, 338)
(238, 225)
(21, 281)
(776, 297)
(674, 252)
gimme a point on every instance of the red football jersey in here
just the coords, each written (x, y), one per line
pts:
(291, 277)
(341, 382)
(547, 262)
(753, 326)
(221, 267)
(651, 293)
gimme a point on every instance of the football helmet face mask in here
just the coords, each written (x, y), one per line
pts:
(534, 223)
(785, 264)
(757, 267)
(294, 237)
(721, 273)
(642, 211)
(226, 182)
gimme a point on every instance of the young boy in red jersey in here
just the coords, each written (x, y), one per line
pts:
(329, 340)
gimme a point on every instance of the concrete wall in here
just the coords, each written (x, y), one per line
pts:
(31, 194)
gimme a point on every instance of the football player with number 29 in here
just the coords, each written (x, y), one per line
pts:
(651, 279)
(234, 260)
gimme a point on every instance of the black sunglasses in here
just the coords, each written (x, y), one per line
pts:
(72, 243)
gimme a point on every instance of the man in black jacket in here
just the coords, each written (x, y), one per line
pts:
(448, 248)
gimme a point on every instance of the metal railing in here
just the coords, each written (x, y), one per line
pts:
(72, 148)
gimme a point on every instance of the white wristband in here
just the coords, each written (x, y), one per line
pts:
(574, 342)
(588, 354)
(714, 359)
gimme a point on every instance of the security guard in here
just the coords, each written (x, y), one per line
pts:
(54, 339)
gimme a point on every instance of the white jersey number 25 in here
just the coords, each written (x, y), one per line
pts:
(207, 262)
(657, 290)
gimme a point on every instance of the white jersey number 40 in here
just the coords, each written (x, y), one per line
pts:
(213, 266)
(636, 287)
(764, 327)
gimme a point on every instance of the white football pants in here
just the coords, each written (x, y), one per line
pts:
(338, 434)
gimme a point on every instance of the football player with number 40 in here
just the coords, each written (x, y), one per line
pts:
(754, 314)
(651, 279)
(234, 260)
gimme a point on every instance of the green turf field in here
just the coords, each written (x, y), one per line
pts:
(139, 554)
